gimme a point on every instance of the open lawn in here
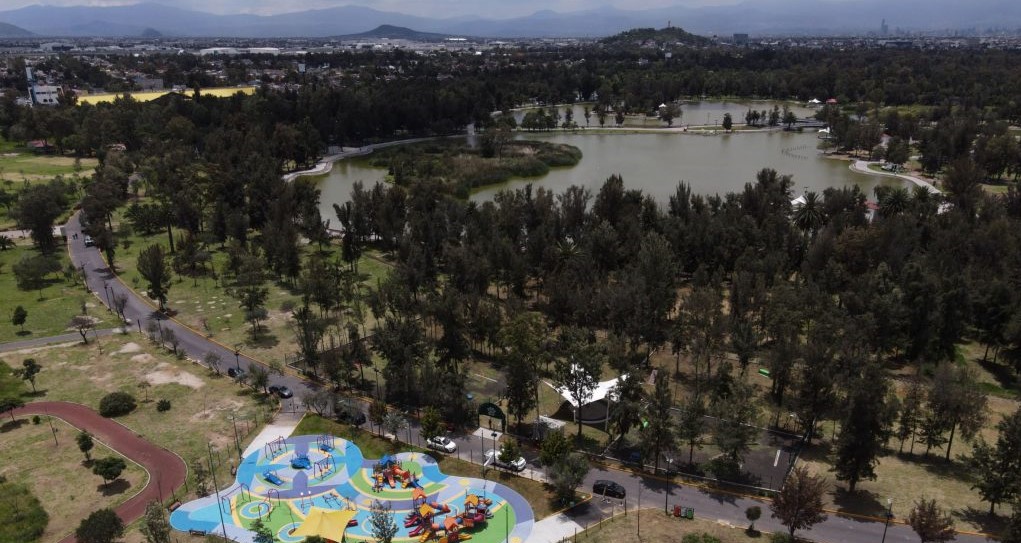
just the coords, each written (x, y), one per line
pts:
(58, 475)
(373, 446)
(19, 170)
(203, 303)
(202, 404)
(50, 309)
(655, 526)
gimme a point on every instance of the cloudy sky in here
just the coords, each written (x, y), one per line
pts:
(432, 8)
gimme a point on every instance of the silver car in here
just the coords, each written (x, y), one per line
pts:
(492, 456)
(441, 443)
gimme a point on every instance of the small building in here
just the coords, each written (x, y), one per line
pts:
(44, 95)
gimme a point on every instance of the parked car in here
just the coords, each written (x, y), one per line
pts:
(89, 242)
(352, 416)
(610, 489)
(235, 373)
(494, 457)
(441, 443)
(281, 391)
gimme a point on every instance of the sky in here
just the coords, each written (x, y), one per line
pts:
(430, 8)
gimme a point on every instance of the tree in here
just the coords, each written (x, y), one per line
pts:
(29, 369)
(155, 527)
(83, 324)
(753, 513)
(9, 404)
(102, 526)
(555, 447)
(317, 401)
(728, 122)
(19, 316)
(155, 269)
(381, 521)
(997, 468)
(37, 210)
(30, 271)
(394, 422)
(509, 451)
(263, 534)
(522, 342)
(377, 411)
(660, 430)
(309, 330)
(431, 423)
(85, 444)
(691, 428)
(578, 371)
(733, 429)
(799, 504)
(957, 403)
(931, 522)
(259, 378)
(250, 291)
(109, 468)
(116, 404)
(865, 428)
(567, 475)
(1012, 533)
(911, 415)
(145, 385)
(213, 360)
(201, 478)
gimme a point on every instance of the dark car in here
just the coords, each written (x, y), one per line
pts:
(235, 373)
(281, 391)
(609, 489)
(354, 417)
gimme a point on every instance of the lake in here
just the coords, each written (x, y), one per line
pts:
(655, 163)
(692, 113)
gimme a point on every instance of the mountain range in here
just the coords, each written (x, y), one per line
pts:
(756, 17)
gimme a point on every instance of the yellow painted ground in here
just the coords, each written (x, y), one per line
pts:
(220, 92)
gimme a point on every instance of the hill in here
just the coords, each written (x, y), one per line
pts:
(10, 31)
(395, 33)
(663, 36)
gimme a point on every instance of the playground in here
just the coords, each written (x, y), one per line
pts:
(321, 485)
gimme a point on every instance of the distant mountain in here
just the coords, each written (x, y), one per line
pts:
(395, 33)
(151, 33)
(756, 17)
(8, 30)
(663, 36)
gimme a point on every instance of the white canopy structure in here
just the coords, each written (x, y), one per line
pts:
(603, 394)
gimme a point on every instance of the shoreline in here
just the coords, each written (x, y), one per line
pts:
(862, 166)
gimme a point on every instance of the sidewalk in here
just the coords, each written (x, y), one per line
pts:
(554, 529)
(282, 425)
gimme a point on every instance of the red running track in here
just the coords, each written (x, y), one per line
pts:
(166, 470)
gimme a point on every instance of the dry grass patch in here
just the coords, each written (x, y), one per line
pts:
(658, 527)
(57, 474)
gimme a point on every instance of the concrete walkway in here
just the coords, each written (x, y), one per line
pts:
(862, 166)
(73, 337)
(554, 529)
(282, 425)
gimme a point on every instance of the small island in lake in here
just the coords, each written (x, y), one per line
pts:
(462, 167)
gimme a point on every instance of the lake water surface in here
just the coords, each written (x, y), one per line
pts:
(655, 163)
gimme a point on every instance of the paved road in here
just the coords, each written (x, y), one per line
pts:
(166, 470)
(471, 447)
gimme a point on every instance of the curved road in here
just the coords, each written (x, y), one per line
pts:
(166, 470)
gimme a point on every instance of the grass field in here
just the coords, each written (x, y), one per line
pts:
(49, 310)
(19, 169)
(57, 476)
(202, 404)
(655, 526)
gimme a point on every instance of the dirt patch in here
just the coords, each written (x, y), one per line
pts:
(144, 357)
(128, 348)
(163, 377)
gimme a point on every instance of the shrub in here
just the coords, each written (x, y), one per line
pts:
(116, 404)
(36, 419)
(163, 405)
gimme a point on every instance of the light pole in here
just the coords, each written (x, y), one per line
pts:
(638, 511)
(106, 289)
(376, 371)
(889, 515)
(237, 358)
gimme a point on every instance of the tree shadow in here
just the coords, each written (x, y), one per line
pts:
(990, 524)
(23, 333)
(860, 502)
(265, 340)
(10, 426)
(35, 394)
(1003, 374)
(118, 486)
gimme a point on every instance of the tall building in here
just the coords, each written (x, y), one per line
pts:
(883, 29)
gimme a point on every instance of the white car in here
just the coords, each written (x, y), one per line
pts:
(494, 457)
(441, 443)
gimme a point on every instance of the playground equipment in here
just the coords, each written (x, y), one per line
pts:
(271, 477)
(390, 470)
(301, 461)
(275, 447)
(325, 443)
(324, 467)
(227, 498)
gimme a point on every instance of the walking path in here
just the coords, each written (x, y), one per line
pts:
(164, 468)
(282, 425)
(73, 337)
(862, 166)
(554, 529)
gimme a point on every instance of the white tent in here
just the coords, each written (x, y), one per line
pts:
(603, 393)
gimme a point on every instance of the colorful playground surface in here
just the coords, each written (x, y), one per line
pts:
(321, 485)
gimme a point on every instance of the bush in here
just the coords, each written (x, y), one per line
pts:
(699, 538)
(116, 404)
(163, 405)
(36, 419)
(781, 537)
(22, 517)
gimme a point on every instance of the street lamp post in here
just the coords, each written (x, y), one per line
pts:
(106, 289)
(237, 358)
(889, 515)
(638, 511)
(376, 371)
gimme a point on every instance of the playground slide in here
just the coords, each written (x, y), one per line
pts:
(426, 536)
(272, 478)
(464, 537)
(440, 506)
(417, 531)
(390, 480)
(408, 523)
